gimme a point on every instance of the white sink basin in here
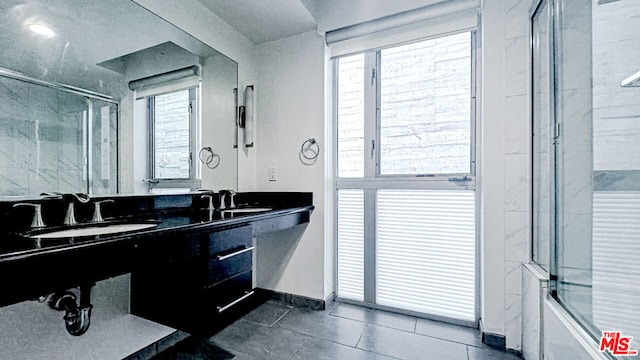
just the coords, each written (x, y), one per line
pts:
(93, 230)
(246, 210)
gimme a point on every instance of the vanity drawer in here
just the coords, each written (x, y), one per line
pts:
(229, 293)
(220, 242)
(227, 264)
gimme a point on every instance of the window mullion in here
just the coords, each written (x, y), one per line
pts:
(193, 173)
(151, 124)
(370, 171)
(369, 246)
(370, 114)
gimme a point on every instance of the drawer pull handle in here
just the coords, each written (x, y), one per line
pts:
(223, 308)
(224, 257)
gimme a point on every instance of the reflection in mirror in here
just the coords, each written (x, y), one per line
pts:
(93, 134)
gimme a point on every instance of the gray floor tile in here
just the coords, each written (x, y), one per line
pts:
(490, 354)
(342, 332)
(370, 316)
(331, 304)
(408, 346)
(268, 313)
(257, 341)
(195, 348)
(318, 324)
(243, 356)
(450, 332)
(315, 349)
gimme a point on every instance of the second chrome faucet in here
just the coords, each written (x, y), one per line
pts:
(70, 216)
(223, 194)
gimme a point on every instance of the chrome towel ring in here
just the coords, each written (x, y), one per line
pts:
(310, 149)
(212, 160)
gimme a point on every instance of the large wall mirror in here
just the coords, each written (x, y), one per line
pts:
(104, 97)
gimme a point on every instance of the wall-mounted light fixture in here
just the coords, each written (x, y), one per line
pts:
(245, 116)
(237, 118)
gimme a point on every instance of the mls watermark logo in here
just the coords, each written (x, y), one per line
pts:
(616, 343)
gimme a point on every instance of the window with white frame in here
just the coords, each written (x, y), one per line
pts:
(173, 139)
(406, 217)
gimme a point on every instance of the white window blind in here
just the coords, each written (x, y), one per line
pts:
(616, 250)
(351, 244)
(427, 22)
(426, 251)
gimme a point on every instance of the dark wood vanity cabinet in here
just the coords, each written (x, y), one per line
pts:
(196, 293)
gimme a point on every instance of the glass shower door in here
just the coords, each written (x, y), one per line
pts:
(597, 170)
(51, 135)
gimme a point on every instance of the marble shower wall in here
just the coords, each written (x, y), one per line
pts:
(41, 139)
(616, 110)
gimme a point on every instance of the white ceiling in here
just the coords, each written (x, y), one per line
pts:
(263, 20)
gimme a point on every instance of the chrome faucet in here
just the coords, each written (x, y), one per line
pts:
(97, 213)
(223, 194)
(70, 217)
(210, 197)
(37, 214)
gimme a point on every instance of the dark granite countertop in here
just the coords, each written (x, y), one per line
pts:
(20, 245)
(30, 268)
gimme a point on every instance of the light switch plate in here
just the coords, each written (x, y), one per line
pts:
(273, 174)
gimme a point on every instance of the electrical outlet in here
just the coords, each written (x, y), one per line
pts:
(273, 174)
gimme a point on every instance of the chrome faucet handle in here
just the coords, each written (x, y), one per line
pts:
(223, 195)
(97, 213)
(232, 194)
(37, 214)
(210, 197)
(51, 195)
(70, 216)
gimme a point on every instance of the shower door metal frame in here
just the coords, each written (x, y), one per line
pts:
(551, 272)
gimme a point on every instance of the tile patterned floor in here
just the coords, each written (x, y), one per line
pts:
(343, 331)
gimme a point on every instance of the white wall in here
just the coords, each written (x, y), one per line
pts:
(290, 102)
(491, 168)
